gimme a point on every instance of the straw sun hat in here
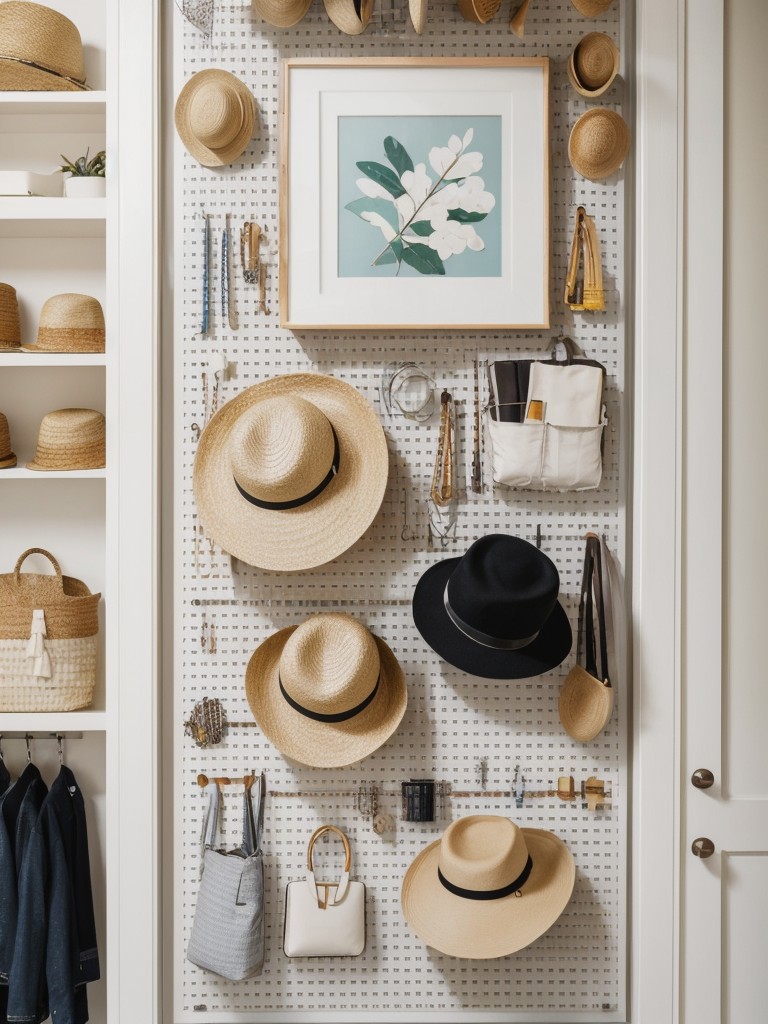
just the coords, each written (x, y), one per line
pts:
(487, 888)
(7, 457)
(71, 439)
(599, 143)
(480, 11)
(593, 65)
(70, 323)
(327, 693)
(591, 8)
(10, 328)
(290, 473)
(350, 16)
(281, 13)
(215, 117)
(418, 12)
(40, 49)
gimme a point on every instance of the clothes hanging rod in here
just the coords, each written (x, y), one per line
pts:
(40, 736)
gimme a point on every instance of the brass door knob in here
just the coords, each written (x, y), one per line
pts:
(702, 778)
(702, 847)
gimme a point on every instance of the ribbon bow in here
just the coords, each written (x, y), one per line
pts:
(36, 647)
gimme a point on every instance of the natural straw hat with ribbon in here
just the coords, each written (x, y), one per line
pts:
(593, 65)
(71, 439)
(70, 323)
(598, 144)
(350, 16)
(10, 327)
(281, 13)
(591, 8)
(215, 117)
(7, 456)
(40, 49)
(327, 693)
(487, 888)
(290, 473)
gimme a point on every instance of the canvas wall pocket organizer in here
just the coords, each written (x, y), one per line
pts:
(48, 635)
(412, 213)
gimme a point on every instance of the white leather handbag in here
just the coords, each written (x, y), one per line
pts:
(325, 918)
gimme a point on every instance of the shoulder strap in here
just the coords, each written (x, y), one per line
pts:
(253, 813)
(597, 582)
(591, 606)
(210, 824)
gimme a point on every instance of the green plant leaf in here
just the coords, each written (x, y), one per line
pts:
(393, 253)
(421, 227)
(380, 206)
(463, 217)
(423, 259)
(397, 155)
(382, 176)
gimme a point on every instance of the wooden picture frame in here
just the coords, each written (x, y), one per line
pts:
(414, 194)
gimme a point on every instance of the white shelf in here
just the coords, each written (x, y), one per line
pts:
(45, 208)
(53, 102)
(20, 473)
(53, 721)
(53, 359)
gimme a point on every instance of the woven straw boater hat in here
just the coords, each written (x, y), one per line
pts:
(593, 65)
(10, 328)
(591, 8)
(487, 888)
(7, 457)
(71, 439)
(281, 13)
(418, 12)
(327, 693)
(40, 49)
(290, 473)
(70, 323)
(599, 143)
(351, 16)
(215, 117)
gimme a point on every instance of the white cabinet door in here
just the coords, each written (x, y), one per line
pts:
(725, 610)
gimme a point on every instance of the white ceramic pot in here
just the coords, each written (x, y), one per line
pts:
(90, 187)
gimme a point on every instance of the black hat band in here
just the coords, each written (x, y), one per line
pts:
(280, 506)
(341, 716)
(80, 82)
(488, 894)
(498, 643)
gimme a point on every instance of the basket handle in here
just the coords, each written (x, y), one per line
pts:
(37, 551)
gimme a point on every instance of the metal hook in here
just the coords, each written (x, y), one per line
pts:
(59, 739)
(196, 430)
(27, 740)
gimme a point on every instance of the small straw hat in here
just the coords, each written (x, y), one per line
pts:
(599, 143)
(487, 888)
(418, 12)
(40, 49)
(593, 65)
(281, 13)
(591, 8)
(351, 16)
(7, 457)
(70, 323)
(480, 11)
(71, 439)
(327, 693)
(215, 117)
(291, 472)
(10, 328)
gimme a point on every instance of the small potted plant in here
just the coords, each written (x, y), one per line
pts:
(85, 177)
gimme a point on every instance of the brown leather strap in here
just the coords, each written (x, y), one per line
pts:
(592, 606)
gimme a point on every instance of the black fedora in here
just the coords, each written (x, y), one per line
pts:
(494, 612)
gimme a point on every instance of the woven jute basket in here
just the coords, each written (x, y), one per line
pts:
(49, 626)
(10, 328)
(70, 323)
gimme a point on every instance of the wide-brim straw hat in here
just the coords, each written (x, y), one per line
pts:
(350, 16)
(215, 117)
(40, 49)
(479, 11)
(70, 322)
(7, 456)
(281, 13)
(327, 693)
(599, 143)
(418, 12)
(10, 326)
(71, 439)
(591, 8)
(593, 64)
(290, 473)
(529, 873)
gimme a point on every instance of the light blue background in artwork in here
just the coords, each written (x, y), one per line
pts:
(362, 138)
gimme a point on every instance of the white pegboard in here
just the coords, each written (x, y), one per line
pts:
(577, 971)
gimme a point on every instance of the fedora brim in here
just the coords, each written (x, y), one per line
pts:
(486, 929)
(313, 534)
(234, 149)
(322, 744)
(15, 76)
(548, 650)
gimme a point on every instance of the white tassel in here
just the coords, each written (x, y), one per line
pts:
(36, 647)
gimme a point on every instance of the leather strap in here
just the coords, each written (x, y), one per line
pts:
(592, 605)
(281, 506)
(341, 716)
(497, 643)
(488, 894)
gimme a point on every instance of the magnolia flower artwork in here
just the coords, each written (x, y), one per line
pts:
(423, 215)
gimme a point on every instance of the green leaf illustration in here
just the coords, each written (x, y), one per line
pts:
(392, 254)
(397, 155)
(382, 176)
(380, 206)
(423, 259)
(464, 217)
(421, 227)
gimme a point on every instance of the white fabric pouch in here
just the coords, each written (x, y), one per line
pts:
(572, 395)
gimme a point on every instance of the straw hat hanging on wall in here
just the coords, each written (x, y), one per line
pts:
(215, 117)
(418, 12)
(281, 13)
(591, 8)
(10, 327)
(351, 16)
(70, 323)
(7, 456)
(480, 11)
(40, 49)
(599, 143)
(71, 439)
(593, 65)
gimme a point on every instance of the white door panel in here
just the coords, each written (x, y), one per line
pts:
(745, 913)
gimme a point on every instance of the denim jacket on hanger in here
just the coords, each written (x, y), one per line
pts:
(56, 933)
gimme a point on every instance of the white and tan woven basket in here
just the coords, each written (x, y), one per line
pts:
(48, 635)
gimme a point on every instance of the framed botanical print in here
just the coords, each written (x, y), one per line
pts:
(414, 194)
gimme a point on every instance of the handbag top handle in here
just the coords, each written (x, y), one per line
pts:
(321, 831)
(254, 792)
(592, 580)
